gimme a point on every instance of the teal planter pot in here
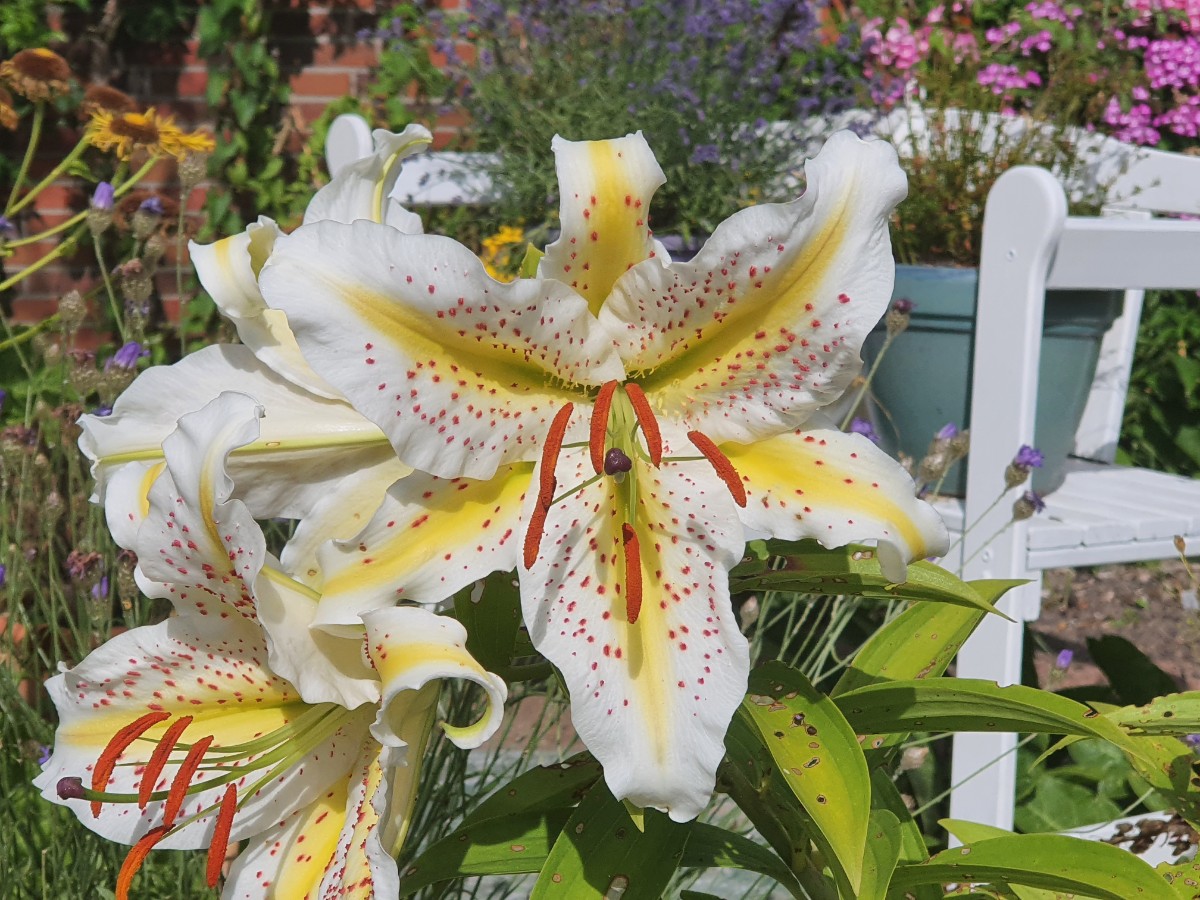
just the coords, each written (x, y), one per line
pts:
(924, 379)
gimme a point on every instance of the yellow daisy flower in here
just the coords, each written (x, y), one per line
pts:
(126, 133)
(8, 112)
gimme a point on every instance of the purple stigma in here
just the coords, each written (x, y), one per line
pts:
(70, 788)
(616, 462)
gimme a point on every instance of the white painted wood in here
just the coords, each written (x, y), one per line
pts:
(1102, 513)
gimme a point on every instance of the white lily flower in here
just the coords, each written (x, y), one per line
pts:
(232, 719)
(647, 410)
(313, 445)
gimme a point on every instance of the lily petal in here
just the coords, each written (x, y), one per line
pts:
(363, 190)
(605, 189)
(203, 550)
(651, 699)
(821, 483)
(429, 538)
(228, 270)
(462, 373)
(412, 647)
(214, 672)
(128, 500)
(765, 325)
(307, 446)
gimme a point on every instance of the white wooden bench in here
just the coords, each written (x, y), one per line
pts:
(1102, 513)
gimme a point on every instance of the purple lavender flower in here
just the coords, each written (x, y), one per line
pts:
(102, 410)
(903, 305)
(863, 427)
(946, 432)
(6, 226)
(3, 574)
(44, 752)
(3, 397)
(1027, 505)
(1193, 741)
(152, 205)
(103, 196)
(100, 590)
(1029, 457)
(1062, 662)
(127, 357)
(705, 153)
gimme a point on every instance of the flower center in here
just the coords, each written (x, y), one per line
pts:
(201, 766)
(619, 414)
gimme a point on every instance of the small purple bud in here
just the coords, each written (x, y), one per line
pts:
(1035, 500)
(3, 575)
(100, 590)
(127, 357)
(1192, 740)
(44, 753)
(3, 397)
(1029, 457)
(70, 788)
(6, 226)
(102, 197)
(904, 306)
(1064, 659)
(947, 431)
(152, 205)
(863, 427)
(616, 462)
(102, 410)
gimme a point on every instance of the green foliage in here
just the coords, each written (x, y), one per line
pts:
(1160, 430)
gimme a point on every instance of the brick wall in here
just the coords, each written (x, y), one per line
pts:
(323, 60)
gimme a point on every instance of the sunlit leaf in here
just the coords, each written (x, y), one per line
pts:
(546, 788)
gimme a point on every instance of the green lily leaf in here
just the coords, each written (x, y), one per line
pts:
(1170, 714)
(883, 852)
(911, 849)
(853, 570)
(1048, 861)
(546, 788)
(817, 754)
(1184, 878)
(600, 852)
(510, 845)
(712, 847)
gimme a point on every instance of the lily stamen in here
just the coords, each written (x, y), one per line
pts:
(646, 421)
(537, 520)
(599, 424)
(220, 842)
(183, 779)
(633, 573)
(136, 857)
(721, 464)
(158, 759)
(120, 742)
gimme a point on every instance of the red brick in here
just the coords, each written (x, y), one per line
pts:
(318, 83)
(191, 83)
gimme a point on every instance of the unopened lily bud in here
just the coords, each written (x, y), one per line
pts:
(1027, 505)
(71, 311)
(899, 316)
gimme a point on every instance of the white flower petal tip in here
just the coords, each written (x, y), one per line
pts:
(837, 488)
(411, 648)
(363, 189)
(605, 189)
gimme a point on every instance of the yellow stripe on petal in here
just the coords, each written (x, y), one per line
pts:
(430, 537)
(311, 841)
(605, 189)
(837, 488)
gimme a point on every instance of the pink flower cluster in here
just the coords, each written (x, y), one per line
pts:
(1134, 126)
(1003, 78)
(1188, 12)
(1173, 63)
(899, 48)
(1049, 11)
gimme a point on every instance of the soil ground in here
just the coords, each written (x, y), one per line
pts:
(1145, 604)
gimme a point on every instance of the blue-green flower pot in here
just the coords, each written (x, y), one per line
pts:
(924, 379)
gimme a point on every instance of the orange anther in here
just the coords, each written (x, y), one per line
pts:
(720, 462)
(134, 859)
(537, 521)
(158, 759)
(633, 573)
(554, 440)
(120, 741)
(649, 424)
(220, 841)
(599, 430)
(183, 779)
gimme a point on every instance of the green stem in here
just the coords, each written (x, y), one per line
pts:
(76, 152)
(118, 319)
(67, 244)
(978, 519)
(866, 385)
(29, 333)
(35, 134)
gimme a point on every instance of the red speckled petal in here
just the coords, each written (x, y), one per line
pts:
(604, 199)
(766, 323)
(651, 700)
(204, 552)
(837, 488)
(213, 670)
(461, 372)
(429, 538)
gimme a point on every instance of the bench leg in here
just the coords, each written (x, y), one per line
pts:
(993, 652)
